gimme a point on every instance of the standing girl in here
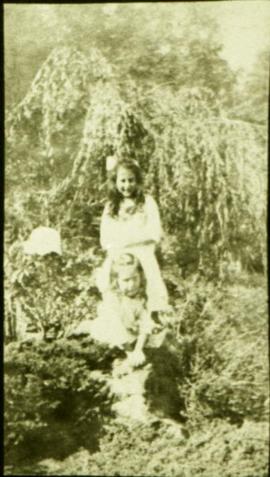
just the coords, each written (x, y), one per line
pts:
(131, 223)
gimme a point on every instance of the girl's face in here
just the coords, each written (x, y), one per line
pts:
(126, 182)
(129, 282)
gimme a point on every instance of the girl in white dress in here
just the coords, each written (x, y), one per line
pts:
(123, 317)
(131, 223)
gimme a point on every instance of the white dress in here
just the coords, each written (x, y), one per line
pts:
(137, 233)
(120, 320)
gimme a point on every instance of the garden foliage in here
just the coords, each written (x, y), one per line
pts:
(55, 387)
(207, 172)
(219, 345)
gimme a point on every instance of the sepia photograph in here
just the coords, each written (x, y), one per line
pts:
(135, 238)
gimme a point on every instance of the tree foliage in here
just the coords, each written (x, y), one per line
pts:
(198, 162)
(253, 102)
(173, 43)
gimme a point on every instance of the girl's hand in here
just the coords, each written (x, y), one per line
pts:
(136, 358)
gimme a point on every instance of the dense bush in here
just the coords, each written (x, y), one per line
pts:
(229, 330)
(49, 293)
(217, 449)
(55, 388)
(157, 450)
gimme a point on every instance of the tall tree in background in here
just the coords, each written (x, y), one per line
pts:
(153, 46)
(254, 96)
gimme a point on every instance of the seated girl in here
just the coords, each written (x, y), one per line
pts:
(123, 318)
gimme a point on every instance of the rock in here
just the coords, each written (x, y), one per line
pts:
(51, 465)
(133, 407)
(127, 385)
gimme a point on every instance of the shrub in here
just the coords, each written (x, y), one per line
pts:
(216, 449)
(55, 389)
(228, 377)
(48, 293)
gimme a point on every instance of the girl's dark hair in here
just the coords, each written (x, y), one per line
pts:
(127, 260)
(114, 196)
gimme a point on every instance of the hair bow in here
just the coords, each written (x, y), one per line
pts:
(111, 163)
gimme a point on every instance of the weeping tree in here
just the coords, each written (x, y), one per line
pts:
(209, 173)
(205, 169)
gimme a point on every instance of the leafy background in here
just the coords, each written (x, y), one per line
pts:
(136, 82)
